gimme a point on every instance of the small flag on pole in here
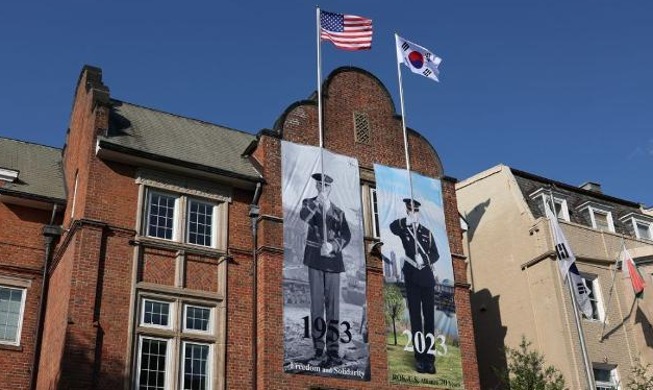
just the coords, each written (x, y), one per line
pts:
(629, 270)
(418, 59)
(347, 32)
(567, 265)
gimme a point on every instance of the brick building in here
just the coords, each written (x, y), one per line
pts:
(168, 270)
(517, 288)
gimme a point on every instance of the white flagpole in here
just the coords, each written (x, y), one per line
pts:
(403, 127)
(581, 335)
(319, 116)
(614, 277)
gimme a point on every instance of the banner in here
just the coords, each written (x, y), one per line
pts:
(423, 346)
(324, 283)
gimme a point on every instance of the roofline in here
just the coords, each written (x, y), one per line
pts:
(114, 100)
(168, 160)
(31, 143)
(572, 188)
(27, 195)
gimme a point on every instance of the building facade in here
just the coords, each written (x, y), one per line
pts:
(167, 273)
(517, 288)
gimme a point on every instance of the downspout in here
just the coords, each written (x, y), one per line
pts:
(254, 212)
(51, 233)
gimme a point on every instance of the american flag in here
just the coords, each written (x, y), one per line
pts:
(347, 32)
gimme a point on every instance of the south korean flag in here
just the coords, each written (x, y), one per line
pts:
(418, 59)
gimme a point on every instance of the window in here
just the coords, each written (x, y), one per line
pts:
(175, 349)
(166, 211)
(605, 377)
(592, 283)
(560, 203)
(643, 230)
(362, 131)
(155, 313)
(12, 306)
(599, 216)
(197, 318)
(375, 213)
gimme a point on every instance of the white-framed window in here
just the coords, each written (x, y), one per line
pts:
(175, 345)
(181, 218)
(600, 217)
(596, 299)
(376, 231)
(155, 313)
(198, 318)
(196, 366)
(12, 308)
(606, 377)
(153, 364)
(643, 229)
(560, 203)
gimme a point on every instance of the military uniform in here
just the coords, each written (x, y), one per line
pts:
(419, 282)
(324, 271)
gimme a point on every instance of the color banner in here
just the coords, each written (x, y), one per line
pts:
(324, 283)
(421, 326)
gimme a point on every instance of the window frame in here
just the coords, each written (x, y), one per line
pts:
(543, 195)
(374, 213)
(181, 217)
(210, 326)
(592, 208)
(598, 306)
(168, 366)
(209, 363)
(614, 377)
(649, 224)
(171, 313)
(21, 315)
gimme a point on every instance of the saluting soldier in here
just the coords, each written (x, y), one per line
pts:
(421, 253)
(323, 257)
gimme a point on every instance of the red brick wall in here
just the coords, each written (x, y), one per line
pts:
(21, 256)
(347, 91)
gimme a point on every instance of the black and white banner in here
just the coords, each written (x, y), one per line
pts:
(324, 284)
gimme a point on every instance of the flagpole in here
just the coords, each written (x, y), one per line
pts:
(403, 127)
(614, 277)
(319, 117)
(579, 329)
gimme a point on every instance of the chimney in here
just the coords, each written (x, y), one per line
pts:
(591, 186)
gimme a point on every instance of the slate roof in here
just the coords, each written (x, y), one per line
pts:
(161, 135)
(575, 196)
(41, 172)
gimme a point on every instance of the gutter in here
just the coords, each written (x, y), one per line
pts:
(254, 212)
(51, 234)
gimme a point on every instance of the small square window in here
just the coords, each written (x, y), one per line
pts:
(599, 216)
(12, 305)
(643, 230)
(197, 318)
(560, 204)
(156, 313)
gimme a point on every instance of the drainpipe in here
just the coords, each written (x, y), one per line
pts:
(254, 212)
(51, 234)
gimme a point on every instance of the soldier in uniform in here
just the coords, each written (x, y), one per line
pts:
(323, 257)
(420, 255)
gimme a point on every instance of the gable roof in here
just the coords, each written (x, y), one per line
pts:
(40, 170)
(176, 139)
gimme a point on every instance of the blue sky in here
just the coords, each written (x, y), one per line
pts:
(563, 89)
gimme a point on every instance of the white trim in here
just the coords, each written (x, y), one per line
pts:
(374, 219)
(19, 327)
(171, 313)
(209, 364)
(74, 200)
(592, 282)
(543, 195)
(168, 366)
(210, 326)
(593, 209)
(636, 222)
(614, 377)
